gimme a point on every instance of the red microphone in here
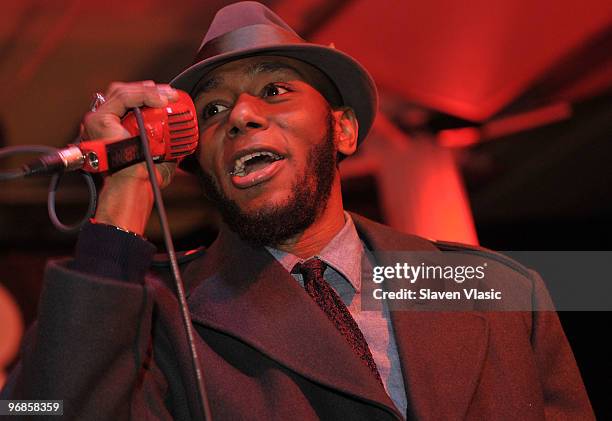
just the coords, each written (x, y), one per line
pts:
(172, 132)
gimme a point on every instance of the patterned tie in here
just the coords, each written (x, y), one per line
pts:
(326, 298)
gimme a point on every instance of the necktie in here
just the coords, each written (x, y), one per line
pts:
(326, 298)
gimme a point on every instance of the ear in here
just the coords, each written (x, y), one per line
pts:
(346, 130)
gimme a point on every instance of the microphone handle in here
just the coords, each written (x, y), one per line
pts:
(93, 156)
(102, 156)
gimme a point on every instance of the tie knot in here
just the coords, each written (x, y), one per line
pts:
(311, 269)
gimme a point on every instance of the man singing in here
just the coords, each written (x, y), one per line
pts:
(275, 301)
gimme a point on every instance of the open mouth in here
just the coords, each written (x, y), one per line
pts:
(255, 167)
(253, 162)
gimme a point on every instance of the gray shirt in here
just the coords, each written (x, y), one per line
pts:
(344, 255)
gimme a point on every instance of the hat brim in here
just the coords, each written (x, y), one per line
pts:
(352, 80)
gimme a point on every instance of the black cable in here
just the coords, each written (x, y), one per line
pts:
(14, 150)
(11, 175)
(55, 179)
(91, 207)
(178, 281)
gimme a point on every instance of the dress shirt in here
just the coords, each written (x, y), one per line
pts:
(344, 255)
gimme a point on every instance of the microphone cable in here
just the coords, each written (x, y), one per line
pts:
(178, 281)
(53, 186)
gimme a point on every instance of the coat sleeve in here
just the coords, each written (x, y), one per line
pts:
(565, 397)
(91, 345)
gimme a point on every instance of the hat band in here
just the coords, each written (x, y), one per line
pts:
(246, 38)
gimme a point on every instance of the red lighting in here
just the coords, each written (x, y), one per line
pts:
(458, 138)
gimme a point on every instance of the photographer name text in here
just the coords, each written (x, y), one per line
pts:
(429, 294)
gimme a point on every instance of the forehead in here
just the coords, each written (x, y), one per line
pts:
(251, 68)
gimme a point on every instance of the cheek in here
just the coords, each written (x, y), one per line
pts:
(209, 151)
(306, 127)
(320, 116)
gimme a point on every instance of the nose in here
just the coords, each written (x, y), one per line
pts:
(246, 115)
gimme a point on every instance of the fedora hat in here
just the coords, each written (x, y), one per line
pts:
(249, 28)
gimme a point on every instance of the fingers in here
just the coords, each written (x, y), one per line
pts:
(105, 122)
(122, 96)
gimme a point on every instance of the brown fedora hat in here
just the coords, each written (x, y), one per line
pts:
(249, 28)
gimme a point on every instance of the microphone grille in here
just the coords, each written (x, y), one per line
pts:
(182, 126)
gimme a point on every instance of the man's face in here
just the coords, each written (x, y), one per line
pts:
(266, 145)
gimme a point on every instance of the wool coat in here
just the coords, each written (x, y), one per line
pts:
(115, 348)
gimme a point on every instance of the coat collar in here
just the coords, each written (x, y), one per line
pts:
(244, 292)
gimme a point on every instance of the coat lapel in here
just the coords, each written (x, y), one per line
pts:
(244, 292)
(441, 353)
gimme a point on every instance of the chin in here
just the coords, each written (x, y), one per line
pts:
(265, 202)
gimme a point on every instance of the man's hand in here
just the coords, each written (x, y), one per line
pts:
(126, 199)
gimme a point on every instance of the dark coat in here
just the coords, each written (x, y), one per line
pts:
(115, 350)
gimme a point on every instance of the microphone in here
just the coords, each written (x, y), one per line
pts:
(172, 132)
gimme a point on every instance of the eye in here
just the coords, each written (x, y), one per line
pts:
(212, 109)
(273, 89)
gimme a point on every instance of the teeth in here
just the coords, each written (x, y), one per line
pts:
(239, 168)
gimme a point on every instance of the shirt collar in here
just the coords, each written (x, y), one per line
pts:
(343, 253)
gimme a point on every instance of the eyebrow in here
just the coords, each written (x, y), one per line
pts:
(271, 67)
(252, 70)
(209, 84)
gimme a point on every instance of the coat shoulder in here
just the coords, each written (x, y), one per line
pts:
(387, 238)
(490, 255)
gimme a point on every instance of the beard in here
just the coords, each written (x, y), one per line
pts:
(275, 224)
